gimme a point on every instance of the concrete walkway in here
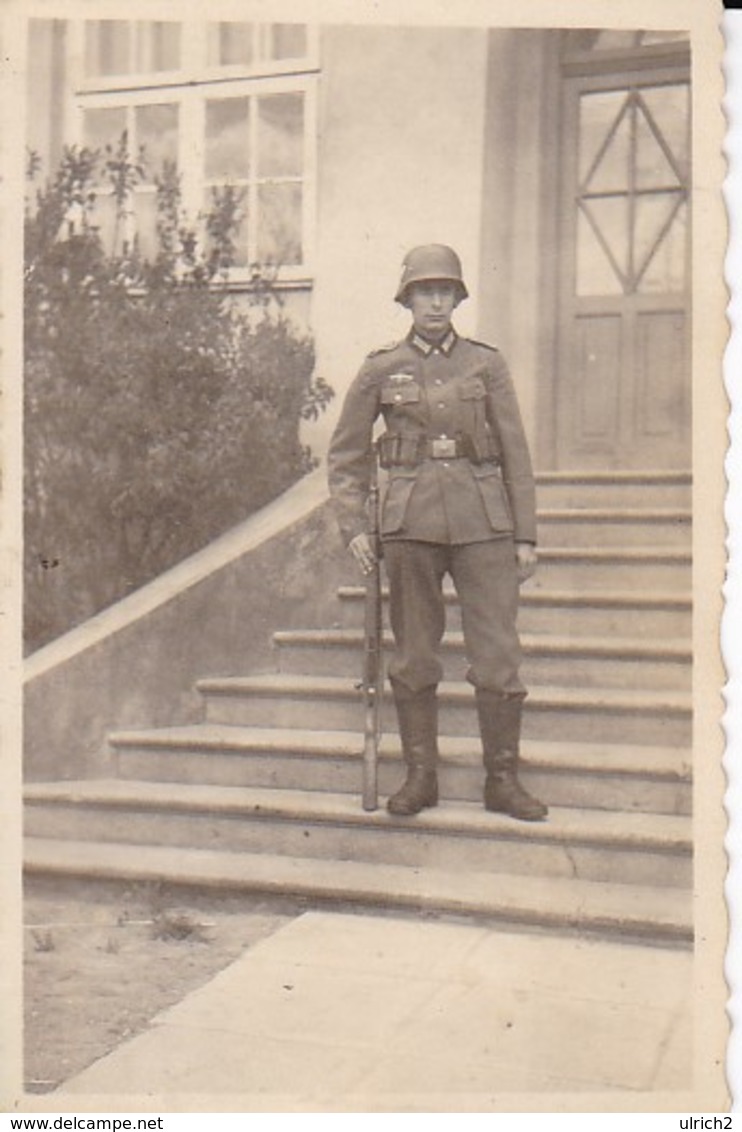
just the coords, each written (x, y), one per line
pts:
(340, 1012)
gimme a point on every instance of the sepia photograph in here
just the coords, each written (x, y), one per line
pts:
(368, 461)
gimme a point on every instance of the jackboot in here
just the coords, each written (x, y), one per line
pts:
(417, 713)
(499, 724)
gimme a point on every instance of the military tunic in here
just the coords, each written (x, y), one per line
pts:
(460, 491)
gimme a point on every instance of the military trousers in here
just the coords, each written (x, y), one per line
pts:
(485, 577)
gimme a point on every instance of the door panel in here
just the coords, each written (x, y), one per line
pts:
(661, 399)
(598, 350)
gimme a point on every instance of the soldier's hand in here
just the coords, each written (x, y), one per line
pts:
(527, 559)
(362, 550)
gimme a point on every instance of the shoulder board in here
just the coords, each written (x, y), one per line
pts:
(484, 345)
(383, 349)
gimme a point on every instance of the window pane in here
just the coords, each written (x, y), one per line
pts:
(653, 169)
(230, 43)
(227, 138)
(240, 235)
(666, 270)
(652, 214)
(157, 46)
(102, 128)
(599, 114)
(610, 216)
(145, 207)
(287, 41)
(595, 275)
(107, 47)
(279, 224)
(670, 109)
(157, 132)
(104, 219)
(280, 135)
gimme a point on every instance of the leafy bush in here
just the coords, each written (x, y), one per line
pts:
(158, 411)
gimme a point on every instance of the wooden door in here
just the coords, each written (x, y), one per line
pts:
(623, 395)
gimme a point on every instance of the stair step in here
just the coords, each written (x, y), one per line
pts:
(610, 568)
(597, 845)
(594, 568)
(648, 779)
(655, 914)
(587, 661)
(614, 489)
(649, 616)
(614, 526)
(334, 703)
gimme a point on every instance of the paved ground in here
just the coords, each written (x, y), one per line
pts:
(340, 1012)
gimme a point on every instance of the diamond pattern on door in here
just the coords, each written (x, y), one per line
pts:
(633, 185)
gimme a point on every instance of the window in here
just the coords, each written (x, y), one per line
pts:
(152, 130)
(228, 104)
(244, 44)
(257, 144)
(124, 47)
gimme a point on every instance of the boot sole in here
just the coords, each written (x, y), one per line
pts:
(518, 817)
(405, 813)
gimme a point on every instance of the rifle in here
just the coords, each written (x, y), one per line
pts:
(372, 684)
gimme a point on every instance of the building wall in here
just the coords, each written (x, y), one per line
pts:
(400, 152)
(44, 105)
(517, 284)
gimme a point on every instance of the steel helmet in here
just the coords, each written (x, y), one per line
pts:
(430, 261)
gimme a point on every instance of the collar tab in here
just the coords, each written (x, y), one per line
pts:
(445, 346)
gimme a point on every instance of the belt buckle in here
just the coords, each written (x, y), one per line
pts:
(443, 448)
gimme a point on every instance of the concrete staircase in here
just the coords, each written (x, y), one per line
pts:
(263, 794)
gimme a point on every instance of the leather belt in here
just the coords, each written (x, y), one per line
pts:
(399, 450)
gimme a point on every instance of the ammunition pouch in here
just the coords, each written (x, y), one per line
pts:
(400, 450)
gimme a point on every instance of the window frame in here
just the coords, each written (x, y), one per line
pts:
(190, 88)
(194, 61)
(576, 61)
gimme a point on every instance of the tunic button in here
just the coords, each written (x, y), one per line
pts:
(397, 396)
(441, 404)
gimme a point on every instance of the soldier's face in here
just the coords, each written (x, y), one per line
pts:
(432, 303)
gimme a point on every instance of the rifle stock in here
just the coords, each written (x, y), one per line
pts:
(373, 678)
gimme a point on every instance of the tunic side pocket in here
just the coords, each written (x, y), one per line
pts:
(494, 498)
(396, 500)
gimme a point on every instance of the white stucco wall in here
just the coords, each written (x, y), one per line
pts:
(400, 153)
(519, 251)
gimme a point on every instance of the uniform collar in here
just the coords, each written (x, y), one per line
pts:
(427, 348)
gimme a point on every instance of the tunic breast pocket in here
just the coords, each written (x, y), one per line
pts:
(473, 404)
(398, 395)
(472, 389)
(494, 497)
(472, 394)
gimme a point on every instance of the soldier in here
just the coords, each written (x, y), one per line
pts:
(460, 500)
